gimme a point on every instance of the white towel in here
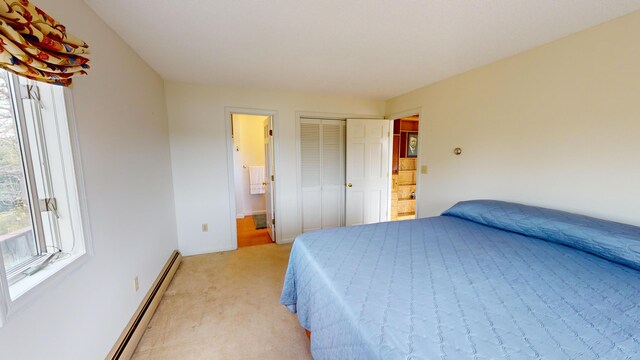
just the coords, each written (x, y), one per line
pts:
(256, 179)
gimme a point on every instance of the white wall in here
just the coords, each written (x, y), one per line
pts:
(123, 132)
(557, 126)
(199, 156)
(249, 141)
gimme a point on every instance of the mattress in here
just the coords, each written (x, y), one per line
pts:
(462, 287)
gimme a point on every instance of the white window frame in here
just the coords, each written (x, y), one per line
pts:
(19, 295)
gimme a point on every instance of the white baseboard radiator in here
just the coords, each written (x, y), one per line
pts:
(127, 342)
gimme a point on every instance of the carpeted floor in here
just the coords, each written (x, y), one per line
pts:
(226, 306)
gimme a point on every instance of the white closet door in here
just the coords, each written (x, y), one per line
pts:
(311, 162)
(367, 171)
(322, 161)
(332, 173)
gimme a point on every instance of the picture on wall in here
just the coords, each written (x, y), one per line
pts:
(412, 144)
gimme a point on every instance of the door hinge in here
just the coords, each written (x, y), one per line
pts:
(270, 132)
(273, 221)
(273, 178)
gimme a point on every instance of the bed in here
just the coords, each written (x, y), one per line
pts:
(485, 280)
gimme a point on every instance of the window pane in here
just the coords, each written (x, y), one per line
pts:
(17, 239)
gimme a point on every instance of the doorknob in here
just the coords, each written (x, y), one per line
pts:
(349, 185)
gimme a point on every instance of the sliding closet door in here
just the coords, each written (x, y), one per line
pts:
(322, 160)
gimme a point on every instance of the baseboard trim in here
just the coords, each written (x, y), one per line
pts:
(130, 337)
(285, 241)
(254, 212)
(209, 250)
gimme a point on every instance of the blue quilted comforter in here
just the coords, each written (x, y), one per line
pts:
(488, 280)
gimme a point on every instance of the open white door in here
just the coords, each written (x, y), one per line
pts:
(269, 178)
(367, 171)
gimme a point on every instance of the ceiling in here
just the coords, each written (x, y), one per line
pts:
(363, 48)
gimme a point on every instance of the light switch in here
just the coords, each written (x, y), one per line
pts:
(205, 227)
(424, 169)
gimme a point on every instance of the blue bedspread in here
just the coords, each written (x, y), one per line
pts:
(451, 288)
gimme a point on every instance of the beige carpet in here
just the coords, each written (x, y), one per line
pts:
(226, 306)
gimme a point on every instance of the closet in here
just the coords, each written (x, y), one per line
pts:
(322, 167)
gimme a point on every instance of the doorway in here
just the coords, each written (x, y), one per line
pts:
(253, 178)
(404, 167)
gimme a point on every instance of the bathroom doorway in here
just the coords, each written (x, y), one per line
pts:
(253, 178)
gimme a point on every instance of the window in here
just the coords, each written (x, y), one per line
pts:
(41, 225)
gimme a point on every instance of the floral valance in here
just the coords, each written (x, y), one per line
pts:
(34, 45)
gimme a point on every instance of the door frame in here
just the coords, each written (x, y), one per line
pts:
(228, 112)
(318, 116)
(421, 131)
(270, 185)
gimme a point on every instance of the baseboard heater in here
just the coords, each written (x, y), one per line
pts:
(127, 342)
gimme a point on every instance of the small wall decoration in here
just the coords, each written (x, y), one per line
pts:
(412, 144)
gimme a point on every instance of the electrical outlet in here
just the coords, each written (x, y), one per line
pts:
(424, 169)
(136, 285)
(205, 227)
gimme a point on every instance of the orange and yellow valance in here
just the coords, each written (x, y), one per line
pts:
(34, 45)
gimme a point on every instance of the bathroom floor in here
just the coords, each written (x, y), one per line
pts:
(248, 235)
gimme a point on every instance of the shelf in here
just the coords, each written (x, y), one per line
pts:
(406, 177)
(407, 164)
(407, 213)
(406, 206)
(410, 126)
(406, 216)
